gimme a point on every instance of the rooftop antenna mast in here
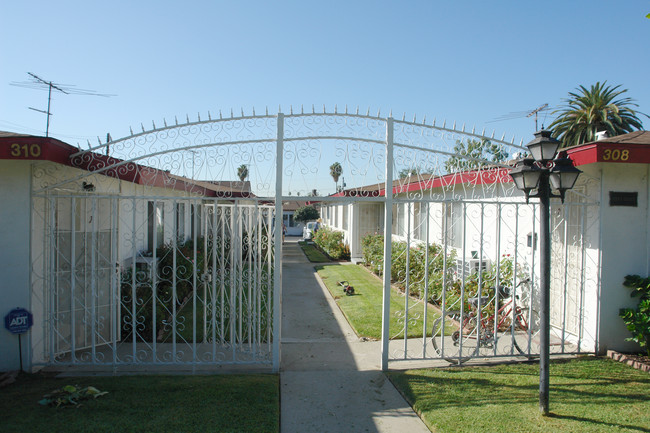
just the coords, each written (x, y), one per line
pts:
(37, 82)
(520, 114)
(535, 111)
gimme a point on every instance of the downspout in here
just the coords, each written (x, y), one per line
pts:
(600, 262)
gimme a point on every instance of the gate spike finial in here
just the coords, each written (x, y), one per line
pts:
(165, 122)
(368, 112)
(198, 115)
(379, 112)
(336, 110)
(302, 109)
(357, 109)
(323, 108)
(187, 117)
(267, 110)
(403, 116)
(513, 140)
(503, 137)
(154, 124)
(131, 129)
(434, 122)
(424, 121)
(492, 134)
(176, 120)
(414, 118)
(313, 109)
(220, 115)
(346, 108)
(99, 140)
(242, 111)
(483, 132)
(291, 109)
(142, 126)
(279, 108)
(444, 123)
(253, 111)
(209, 115)
(463, 127)
(232, 113)
(521, 142)
(454, 127)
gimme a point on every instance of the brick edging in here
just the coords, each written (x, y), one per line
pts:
(621, 357)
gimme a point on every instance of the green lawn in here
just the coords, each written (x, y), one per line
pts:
(586, 395)
(220, 403)
(313, 254)
(363, 310)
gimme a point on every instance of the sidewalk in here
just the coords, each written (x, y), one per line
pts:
(330, 381)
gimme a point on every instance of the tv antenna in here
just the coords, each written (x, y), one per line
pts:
(526, 113)
(36, 82)
(535, 111)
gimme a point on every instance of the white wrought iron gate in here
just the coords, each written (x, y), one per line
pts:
(145, 252)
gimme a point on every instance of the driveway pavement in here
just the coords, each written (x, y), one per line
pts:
(330, 380)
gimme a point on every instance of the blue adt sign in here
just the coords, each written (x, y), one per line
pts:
(18, 321)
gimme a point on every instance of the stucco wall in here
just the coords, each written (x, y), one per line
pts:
(14, 255)
(625, 240)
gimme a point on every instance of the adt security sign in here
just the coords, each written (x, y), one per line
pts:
(18, 321)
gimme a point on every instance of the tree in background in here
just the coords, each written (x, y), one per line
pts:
(473, 154)
(407, 172)
(242, 172)
(599, 108)
(335, 171)
(306, 213)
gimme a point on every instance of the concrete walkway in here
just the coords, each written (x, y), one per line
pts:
(330, 380)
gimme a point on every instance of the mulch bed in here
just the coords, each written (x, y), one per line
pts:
(638, 361)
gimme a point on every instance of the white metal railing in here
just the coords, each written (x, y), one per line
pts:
(124, 196)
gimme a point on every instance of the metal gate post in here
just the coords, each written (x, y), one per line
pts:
(388, 234)
(277, 240)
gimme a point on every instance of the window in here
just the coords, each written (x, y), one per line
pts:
(180, 222)
(154, 225)
(455, 218)
(195, 224)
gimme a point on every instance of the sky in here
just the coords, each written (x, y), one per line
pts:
(472, 62)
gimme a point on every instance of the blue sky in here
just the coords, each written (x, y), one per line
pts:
(466, 61)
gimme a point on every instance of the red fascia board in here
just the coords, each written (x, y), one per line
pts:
(481, 177)
(610, 153)
(26, 147)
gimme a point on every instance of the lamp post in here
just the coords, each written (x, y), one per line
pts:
(541, 173)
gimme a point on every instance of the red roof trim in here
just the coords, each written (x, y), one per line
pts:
(26, 147)
(610, 153)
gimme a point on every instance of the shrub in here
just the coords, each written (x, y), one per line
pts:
(373, 257)
(372, 249)
(331, 241)
(638, 321)
(306, 213)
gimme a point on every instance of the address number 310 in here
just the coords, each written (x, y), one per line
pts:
(25, 150)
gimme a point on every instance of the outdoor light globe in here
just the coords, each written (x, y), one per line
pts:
(525, 175)
(543, 147)
(563, 174)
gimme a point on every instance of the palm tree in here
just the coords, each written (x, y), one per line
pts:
(335, 171)
(588, 111)
(242, 172)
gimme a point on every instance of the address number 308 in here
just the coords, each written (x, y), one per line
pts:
(616, 155)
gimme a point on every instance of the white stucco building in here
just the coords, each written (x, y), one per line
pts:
(599, 236)
(72, 236)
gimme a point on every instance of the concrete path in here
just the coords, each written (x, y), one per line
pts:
(330, 380)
